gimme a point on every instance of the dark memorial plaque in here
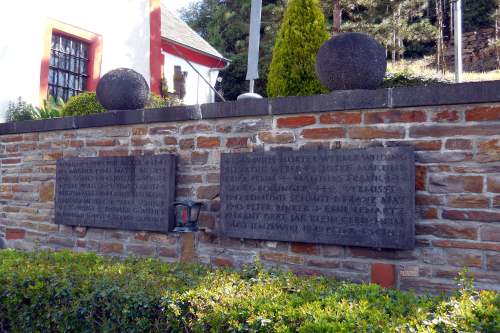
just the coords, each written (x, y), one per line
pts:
(129, 193)
(359, 197)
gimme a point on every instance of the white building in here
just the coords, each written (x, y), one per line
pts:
(183, 47)
(63, 47)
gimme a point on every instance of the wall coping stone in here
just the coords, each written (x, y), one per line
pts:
(432, 95)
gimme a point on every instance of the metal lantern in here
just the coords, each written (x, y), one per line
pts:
(186, 215)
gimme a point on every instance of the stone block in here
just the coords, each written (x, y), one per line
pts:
(384, 275)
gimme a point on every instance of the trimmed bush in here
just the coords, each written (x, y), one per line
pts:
(67, 292)
(302, 32)
(82, 104)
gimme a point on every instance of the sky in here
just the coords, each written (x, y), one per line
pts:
(175, 5)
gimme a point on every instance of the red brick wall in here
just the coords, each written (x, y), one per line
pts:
(458, 190)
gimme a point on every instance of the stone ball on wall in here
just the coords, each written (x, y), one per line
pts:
(351, 61)
(122, 89)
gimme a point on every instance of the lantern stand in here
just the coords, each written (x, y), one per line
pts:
(186, 215)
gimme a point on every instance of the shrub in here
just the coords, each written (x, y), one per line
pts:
(82, 104)
(19, 110)
(301, 34)
(408, 79)
(156, 101)
(50, 109)
(67, 292)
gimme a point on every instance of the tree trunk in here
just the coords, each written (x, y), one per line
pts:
(440, 39)
(497, 34)
(398, 33)
(337, 17)
(452, 22)
(393, 48)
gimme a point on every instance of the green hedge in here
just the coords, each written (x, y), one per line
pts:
(67, 292)
(82, 104)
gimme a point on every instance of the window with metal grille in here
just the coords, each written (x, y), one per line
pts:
(68, 67)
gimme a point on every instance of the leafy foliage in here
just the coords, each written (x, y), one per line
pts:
(407, 28)
(478, 14)
(408, 79)
(225, 25)
(19, 110)
(156, 101)
(82, 104)
(301, 35)
(394, 23)
(68, 292)
(50, 109)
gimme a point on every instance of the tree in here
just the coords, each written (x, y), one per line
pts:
(301, 34)
(407, 28)
(394, 23)
(225, 25)
(478, 14)
(338, 11)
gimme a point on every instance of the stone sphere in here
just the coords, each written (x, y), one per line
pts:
(122, 89)
(351, 61)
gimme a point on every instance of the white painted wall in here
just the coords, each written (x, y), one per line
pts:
(123, 24)
(197, 90)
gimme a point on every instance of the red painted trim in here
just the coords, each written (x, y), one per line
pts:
(95, 53)
(155, 57)
(192, 55)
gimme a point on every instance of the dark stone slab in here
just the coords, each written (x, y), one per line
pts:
(43, 125)
(110, 118)
(8, 128)
(299, 104)
(461, 93)
(128, 193)
(358, 197)
(335, 101)
(351, 60)
(362, 99)
(244, 107)
(176, 113)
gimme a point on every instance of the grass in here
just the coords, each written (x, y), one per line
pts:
(423, 67)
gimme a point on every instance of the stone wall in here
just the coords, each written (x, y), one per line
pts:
(455, 131)
(479, 52)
